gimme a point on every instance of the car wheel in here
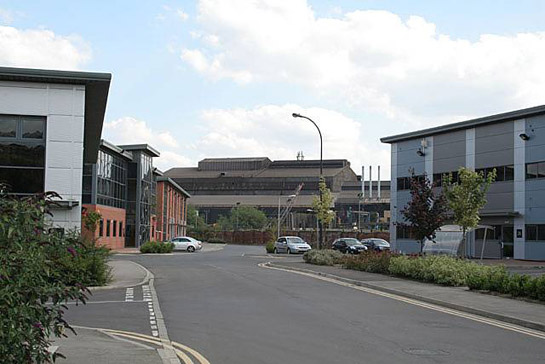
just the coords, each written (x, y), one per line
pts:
(191, 249)
(275, 251)
(289, 251)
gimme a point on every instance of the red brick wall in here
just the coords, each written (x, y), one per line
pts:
(114, 215)
(175, 215)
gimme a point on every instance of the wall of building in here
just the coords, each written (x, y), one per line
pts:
(171, 212)
(116, 216)
(63, 107)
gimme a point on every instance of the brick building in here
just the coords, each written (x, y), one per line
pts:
(171, 209)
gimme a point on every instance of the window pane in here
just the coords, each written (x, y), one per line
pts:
(531, 170)
(22, 180)
(509, 173)
(14, 154)
(531, 232)
(541, 232)
(541, 170)
(33, 128)
(8, 127)
(500, 176)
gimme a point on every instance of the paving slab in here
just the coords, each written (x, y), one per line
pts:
(524, 313)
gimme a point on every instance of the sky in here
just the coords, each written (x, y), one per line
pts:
(221, 78)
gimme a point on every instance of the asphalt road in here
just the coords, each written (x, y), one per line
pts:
(232, 311)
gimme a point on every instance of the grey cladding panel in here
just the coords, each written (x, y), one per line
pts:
(500, 197)
(407, 158)
(449, 151)
(494, 145)
(535, 146)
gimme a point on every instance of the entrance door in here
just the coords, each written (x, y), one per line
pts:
(507, 238)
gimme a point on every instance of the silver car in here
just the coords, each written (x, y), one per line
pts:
(186, 243)
(290, 245)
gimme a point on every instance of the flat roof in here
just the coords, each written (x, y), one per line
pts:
(141, 147)
(174, 184)
(506, 116)
(114, 148)
(97, 86)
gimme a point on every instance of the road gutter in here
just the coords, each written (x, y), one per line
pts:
(475, 311)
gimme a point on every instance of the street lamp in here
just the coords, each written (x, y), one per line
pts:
(278, 218)
(321, 231)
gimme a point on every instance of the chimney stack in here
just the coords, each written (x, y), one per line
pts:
(378, 183)
(370, 182)
(362, 182)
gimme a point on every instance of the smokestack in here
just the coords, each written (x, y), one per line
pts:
(362, 182)
(378, 183)
(370, 182)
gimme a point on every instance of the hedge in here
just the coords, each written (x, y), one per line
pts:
(154, 247)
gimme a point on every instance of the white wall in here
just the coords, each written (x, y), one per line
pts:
(63, 106)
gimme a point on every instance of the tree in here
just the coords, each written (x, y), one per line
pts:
(426, 211)
(194, 220)
(243, 218)
(322, 206)
(467, 196)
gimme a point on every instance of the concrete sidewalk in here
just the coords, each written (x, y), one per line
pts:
(94, 347)
(523, 313)
(125, 274)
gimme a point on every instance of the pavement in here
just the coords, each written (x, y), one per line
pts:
(506, 309)
(103, 346)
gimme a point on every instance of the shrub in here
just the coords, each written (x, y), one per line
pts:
(270, 247)
(156, 247)
(323, 257)
(369, 261)
(487, 278)
(39, 272)
(436, 269)
(216, 241)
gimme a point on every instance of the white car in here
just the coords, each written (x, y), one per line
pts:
(291, 245)
(186, 243)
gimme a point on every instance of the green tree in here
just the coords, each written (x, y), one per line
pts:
(243, 218)
(194, 220)
(466, 197)
(322, 206)
(426, 211)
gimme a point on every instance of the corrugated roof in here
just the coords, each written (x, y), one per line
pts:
(507, 116)
(247, 200)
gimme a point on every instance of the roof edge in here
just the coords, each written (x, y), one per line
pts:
(177, 186)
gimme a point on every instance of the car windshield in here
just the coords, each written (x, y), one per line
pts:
(352, 242)
(381, 243)
(295, 240)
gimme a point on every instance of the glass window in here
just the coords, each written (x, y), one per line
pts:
(531, 232)
(541, 232)
(531, 170)
(101, 228)
(107, 227)
(8, 126)
(33, 128)
(541, 170)
(121, 232)
(114, 225)
(500, 173)
(509, 173)
(22, 181)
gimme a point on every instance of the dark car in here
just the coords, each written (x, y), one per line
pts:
(376, 244)
(349, 246)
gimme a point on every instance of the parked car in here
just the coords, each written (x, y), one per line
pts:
(376, 244)
(349, 246)
(291, 245)
(186, 243)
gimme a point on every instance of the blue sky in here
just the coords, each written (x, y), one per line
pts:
(216, 78)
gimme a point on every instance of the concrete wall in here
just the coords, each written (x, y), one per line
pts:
(63, 106)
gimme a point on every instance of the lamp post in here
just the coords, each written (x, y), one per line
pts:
(321, 230)
(278, 218)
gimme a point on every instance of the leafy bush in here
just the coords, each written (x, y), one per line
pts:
(156, 247)
(270, 247)
(216, 241)
(488, 278)
(39, 272)
(436, 269)
(369, 261)
(323, 257)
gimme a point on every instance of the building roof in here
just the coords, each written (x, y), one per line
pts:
(97, 86)
(192, 172)
(174, 184)
(248, 200)
(507, 116)
(141, 147)
(115, 149)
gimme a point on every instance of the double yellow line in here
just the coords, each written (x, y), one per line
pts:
(473, 317)
(180, 349)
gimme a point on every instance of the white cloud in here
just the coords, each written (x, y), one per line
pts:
(128, 130)
(41, 49)
(271, 131)
(6, 16)
(371, 60)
